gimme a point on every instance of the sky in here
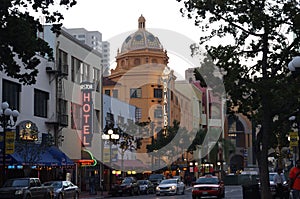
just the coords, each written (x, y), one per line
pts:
(112, 17)
(118, 18)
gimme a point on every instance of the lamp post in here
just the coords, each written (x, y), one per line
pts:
(8, 118)
(111, 137)
(294, 67)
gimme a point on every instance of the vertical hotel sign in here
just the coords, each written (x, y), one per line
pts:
(87, 113)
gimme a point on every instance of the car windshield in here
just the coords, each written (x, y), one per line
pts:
(156, 176)
(127, 180)
(271, 176)
(142, 182)
(171, 181)
(17, 183)
(56, 184)
(207, 181)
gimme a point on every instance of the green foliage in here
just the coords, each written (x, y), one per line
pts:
(19, 43)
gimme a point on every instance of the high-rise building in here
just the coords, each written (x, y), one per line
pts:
(94, 40)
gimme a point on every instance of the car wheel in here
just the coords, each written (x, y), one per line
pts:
(60, 196)
(131, 192)
(76, 195)
(183, 191)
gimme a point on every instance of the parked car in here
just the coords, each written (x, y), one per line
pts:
(64, 189)
(273, 185)
(128, 185)
(146, 186)
(170, 186)
(208, 185)
(156, 178)
(25, 188)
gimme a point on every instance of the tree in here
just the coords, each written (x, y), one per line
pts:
(258, 40)
(19, 43)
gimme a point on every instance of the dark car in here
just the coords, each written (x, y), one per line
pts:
(273, 186)
(128, 185)
(156, 178)
(146, 186)
(64, 189)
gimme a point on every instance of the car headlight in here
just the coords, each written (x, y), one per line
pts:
(173, 187)
(157, 188)
(19, 192)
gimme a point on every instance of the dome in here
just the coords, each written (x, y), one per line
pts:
(141, 39)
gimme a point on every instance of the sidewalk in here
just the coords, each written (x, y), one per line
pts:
(86, 195)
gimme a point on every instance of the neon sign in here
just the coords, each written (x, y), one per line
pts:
(87, 113)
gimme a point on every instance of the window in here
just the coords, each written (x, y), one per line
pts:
(107, 92)
(76, 112)
(40, 103)
(63, 112)
(63, 62)
(158, 93)
(137, 61)
(96, 79)
(138, 114)
(81, 36)
(158, 113)
(115, 93)
(96, 119)
(135, 93)
(80, 71)
(120, 119)
(11, 94)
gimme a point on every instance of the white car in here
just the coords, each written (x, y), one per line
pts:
(171, 186)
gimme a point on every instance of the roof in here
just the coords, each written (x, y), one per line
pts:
(141, 39)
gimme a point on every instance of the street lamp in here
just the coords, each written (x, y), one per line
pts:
(294, 67)
(111, 137)
(8, 118)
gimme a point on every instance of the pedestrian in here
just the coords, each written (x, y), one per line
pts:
(92, 184)
(278, 181)
(294, 180)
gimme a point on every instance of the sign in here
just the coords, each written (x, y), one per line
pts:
(87, 114)
(293, 139)
(9, 142)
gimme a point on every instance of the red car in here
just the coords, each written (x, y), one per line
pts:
(208, 185)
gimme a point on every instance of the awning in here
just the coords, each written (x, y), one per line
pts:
(131, 165)
(50, 156)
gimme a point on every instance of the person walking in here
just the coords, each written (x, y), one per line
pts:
(278, 181)
(294, 180)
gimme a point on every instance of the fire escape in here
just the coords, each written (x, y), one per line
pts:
(58, 71)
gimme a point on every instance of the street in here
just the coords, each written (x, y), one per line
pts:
(231, 192)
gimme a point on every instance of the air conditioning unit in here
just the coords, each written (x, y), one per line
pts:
(63, 119)
(64, 69)
(50, 67)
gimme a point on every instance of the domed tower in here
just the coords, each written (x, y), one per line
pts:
(139, 48)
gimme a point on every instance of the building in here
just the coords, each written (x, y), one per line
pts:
(76, 79)
(94, 40)
(143, 79)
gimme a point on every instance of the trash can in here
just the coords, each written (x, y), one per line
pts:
(251, 191)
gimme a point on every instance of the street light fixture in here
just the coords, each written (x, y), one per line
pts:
(111, 137)
(8, 118)
(294, 67)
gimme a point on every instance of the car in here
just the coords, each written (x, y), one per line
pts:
(273, 186)
(208, 185)
(156, 178)
(170, 186)
(128, 185)
(64, 189)
(146, 186)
